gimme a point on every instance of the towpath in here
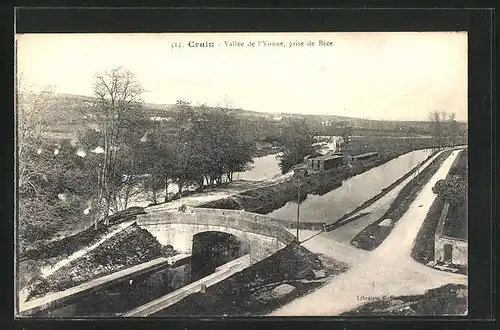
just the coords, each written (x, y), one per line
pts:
(372, 212)
(388, 270)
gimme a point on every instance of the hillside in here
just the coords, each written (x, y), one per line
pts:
(163, 109)
(74, 113)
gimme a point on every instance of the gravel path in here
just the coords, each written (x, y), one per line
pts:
(388, 270)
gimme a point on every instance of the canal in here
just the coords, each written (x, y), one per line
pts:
(354, 191)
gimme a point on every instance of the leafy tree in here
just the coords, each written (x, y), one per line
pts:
(159, 162)
(445, 129)
(230, 151)
(126, 181)
(41, 166)
(298, 142)
(437, 128)
(452, 190)
(345, 137)
(453, 130)
(185, 145)
(209, 145)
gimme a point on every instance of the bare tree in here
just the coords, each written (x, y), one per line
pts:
(445, 128)
(453, 129)
(118, 93)
(228, 103)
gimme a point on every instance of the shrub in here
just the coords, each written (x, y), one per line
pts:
(452, 190)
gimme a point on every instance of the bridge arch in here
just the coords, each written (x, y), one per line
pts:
(212, 249)
(260, 236)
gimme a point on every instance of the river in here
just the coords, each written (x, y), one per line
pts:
(353, 192)
(267, 167)
(264, 168)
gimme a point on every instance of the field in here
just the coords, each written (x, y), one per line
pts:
(362, 144)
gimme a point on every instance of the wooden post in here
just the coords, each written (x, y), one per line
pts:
(298, 210)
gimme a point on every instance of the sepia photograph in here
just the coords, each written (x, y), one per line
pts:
(241, 174)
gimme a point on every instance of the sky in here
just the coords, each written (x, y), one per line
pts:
(388, 75)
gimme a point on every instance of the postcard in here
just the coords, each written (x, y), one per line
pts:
(241, 174)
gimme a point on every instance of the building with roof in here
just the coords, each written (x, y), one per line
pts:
(326, 162)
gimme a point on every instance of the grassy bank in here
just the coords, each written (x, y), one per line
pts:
(59, 249)
(250, 292)
(423, 249)
(373, 235)
(127, 248)
(450, 299)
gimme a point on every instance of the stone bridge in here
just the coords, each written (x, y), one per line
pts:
(261, 236)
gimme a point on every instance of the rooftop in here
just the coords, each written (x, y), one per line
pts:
(366, 154)
(324, 157)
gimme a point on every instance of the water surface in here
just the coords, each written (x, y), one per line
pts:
(353, 192)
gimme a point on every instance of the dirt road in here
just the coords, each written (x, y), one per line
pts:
(337, 242)
(388, 270)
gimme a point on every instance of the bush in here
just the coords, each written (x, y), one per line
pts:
(36, 221)
(452, 190)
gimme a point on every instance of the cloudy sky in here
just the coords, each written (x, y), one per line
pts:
(372, 75)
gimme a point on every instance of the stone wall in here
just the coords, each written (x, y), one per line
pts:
(165, 301)
(175, 277)
(459, 252)
(459, 248)
(112, 298)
